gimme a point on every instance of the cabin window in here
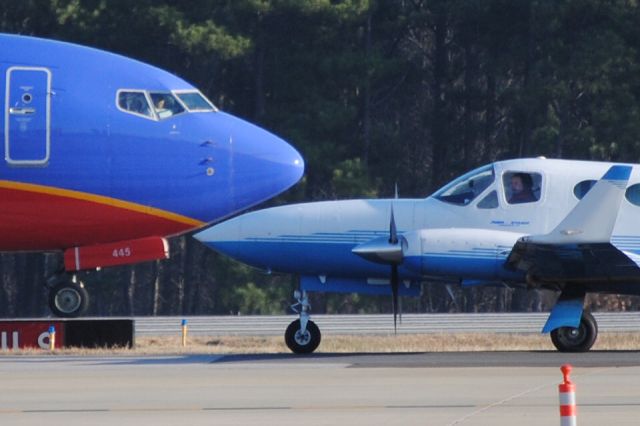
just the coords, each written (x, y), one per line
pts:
(134, 102)
(195, 101)
(490, 201)
(466, 188)
(581, 188)
(633, 194)
(522, 187)
(165, 105)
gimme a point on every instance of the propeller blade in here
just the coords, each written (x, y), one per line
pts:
(394, 295)
(393, 232)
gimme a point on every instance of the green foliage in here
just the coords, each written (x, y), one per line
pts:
(372, 93)
(253, 300)
(350, 180)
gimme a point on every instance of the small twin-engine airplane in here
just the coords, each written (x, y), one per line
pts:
(562, 225)
(105, 156)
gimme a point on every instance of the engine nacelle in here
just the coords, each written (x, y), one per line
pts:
(459, 252)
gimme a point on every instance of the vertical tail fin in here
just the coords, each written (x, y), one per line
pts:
(592, 220)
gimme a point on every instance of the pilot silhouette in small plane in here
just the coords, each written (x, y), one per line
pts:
(521, 189)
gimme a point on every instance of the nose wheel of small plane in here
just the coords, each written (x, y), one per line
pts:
(581, 339)
(68, 297)
(302, 335)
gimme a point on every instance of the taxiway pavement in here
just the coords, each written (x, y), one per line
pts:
(492, 388)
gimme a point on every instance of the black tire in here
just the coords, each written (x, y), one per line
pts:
(68, 299)
(302, 343)
(581, 339)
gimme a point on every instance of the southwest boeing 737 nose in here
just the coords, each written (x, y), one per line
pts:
(261, 164)
(105, 157)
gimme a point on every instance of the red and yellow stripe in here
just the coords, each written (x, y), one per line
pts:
(38, 217)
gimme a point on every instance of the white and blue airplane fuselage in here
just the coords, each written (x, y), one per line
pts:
(480, 229)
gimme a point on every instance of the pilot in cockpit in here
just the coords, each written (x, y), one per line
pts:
(159, 104)
(521, 189)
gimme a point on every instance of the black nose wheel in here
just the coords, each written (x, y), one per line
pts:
(302, 341)
(581, 339)
(68, 299)
(302, 335)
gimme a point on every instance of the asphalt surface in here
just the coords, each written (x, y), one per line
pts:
(490, 388)
(449, 359)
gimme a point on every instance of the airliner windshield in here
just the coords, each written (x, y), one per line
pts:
(165, 105)
(195, 101)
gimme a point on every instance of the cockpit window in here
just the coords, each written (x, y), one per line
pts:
(161, 105)
(165, 105)
(195, 101)
(522, 187)
(466, 188)
(134, 102)
(490, 201)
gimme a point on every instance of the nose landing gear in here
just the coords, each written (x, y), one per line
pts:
(302, 335)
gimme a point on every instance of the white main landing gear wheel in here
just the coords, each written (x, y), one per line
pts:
(302, 335)
(68, 298)
(581, 339)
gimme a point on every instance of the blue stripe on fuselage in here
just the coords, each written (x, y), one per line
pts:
(336, 259)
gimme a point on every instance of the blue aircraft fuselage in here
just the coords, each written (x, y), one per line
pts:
(85, 163)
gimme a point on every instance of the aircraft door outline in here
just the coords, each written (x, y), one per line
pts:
(27, 115)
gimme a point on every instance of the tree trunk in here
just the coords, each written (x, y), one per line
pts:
(131, 290)
(259, 80)
(366, 113)
(470, 81)
(184, 248)
(526, 85)
(156, 288)
(490, 116)
(438, 119)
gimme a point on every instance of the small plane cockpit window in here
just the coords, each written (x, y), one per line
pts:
(633, 194)
(466, 188)
(165, 105)
(195, 101)
(134, 102)
(522, 187)
(490, 201)
(581, 188)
